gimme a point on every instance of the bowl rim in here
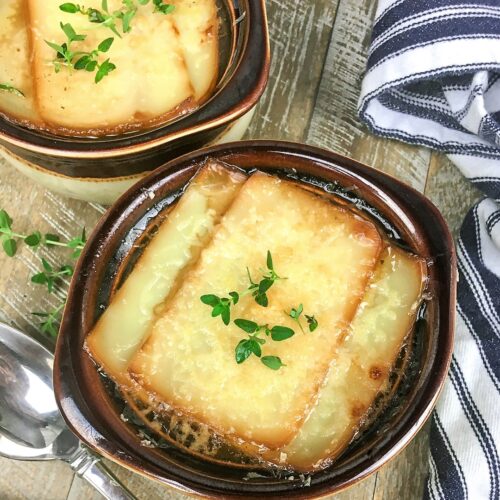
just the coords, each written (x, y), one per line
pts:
(253, 82)
(71, 409)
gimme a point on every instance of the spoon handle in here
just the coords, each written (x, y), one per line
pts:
(90, 468)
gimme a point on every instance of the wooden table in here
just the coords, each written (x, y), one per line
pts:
(319, 51)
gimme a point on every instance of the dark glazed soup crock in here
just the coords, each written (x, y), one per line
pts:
(99, 169)
(94, 414)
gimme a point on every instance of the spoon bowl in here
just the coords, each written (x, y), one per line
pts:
(31, 426)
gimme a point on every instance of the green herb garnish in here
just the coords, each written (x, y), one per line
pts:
(162, 7)
(272, 362)
(277, 333)
(9, 238)
(312, 322)
(9, 88)
(81, 60)
(49, 275)
(104, 16)
(295, 314)
(110, 19)
(259, 290)
(252, 345)
(50, 320)
(221, 306)
(245, 348)
(89, 61)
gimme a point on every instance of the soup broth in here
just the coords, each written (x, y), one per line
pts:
(107, 68)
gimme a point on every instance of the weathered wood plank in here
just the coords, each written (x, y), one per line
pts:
(141, 487)
(335, 124)
(405, 476)
(299, 33)
(34, 480)
(363, 490)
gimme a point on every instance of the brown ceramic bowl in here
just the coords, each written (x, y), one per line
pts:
(99, 169)
(94, 415)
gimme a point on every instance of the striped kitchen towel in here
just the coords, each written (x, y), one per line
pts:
(433, 78)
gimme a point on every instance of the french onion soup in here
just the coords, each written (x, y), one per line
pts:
(105, 67)
(262, 315)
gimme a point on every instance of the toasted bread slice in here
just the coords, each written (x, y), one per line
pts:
(362, 365)
(197, 24)
(124, 325)
(327, 255)
(15, 61)
(139, 89)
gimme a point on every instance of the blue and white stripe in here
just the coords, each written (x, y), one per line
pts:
(433, 78)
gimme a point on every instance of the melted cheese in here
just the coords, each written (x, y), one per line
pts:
(196, 23)
(124, 325)
(15, 64)
(166, 65)
(138, 85)
(327, 255)
(362, 365)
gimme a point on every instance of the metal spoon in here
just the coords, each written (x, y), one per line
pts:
(31, 427)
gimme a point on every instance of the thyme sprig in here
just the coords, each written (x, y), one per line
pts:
(49, 275)
(50, 320)
(12, 90)
(109, 19)
(295, 314)
(269, 278)
(221, 306)
(104, 17)
(81, 60)
(252, 345)
(162, 7)
(35, 239)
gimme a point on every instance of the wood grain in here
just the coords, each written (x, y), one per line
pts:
(34, 480)
(299, 32)
(319, 52)
(335, 124)
(142, 488)
(33, 207)
(405, 476)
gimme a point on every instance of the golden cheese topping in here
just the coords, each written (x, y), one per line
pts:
(124, 325)
(196, 25)
(15, 63)
(327, 255)
(363, 363)
(166, 64)
(72, 99)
